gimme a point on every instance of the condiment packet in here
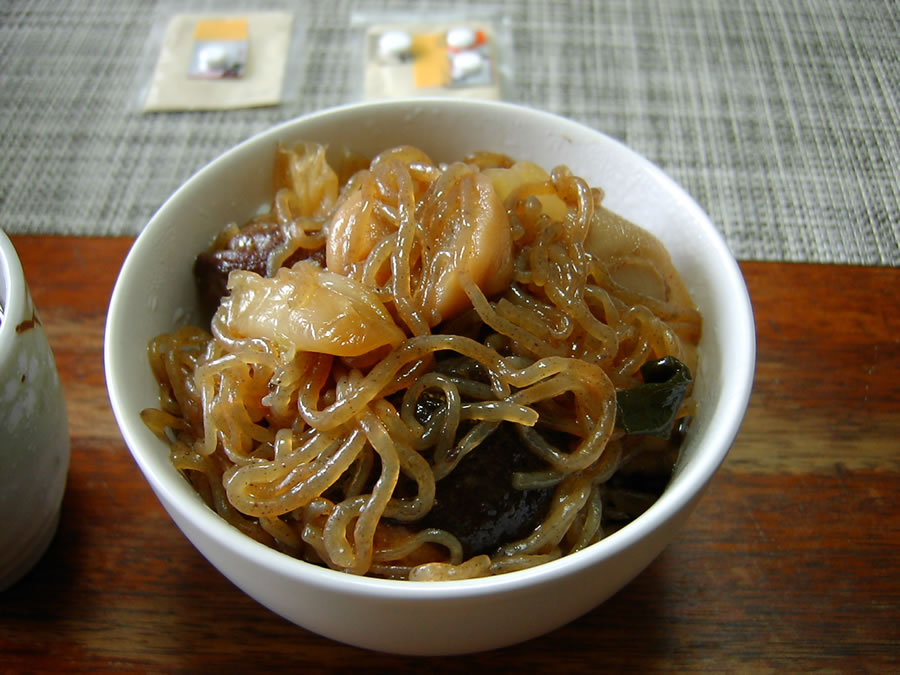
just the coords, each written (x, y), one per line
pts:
(220, 62)
(439, 58)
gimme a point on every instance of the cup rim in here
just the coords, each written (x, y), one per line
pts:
(12, 300)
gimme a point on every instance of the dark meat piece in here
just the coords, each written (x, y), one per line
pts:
(249, 249)
(246, 250)
(477, 502)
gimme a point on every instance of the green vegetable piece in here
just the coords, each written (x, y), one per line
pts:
(650, 408)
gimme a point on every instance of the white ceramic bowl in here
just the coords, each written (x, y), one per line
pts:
(155, 290)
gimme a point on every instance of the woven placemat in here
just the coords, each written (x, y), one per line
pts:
(782, 119)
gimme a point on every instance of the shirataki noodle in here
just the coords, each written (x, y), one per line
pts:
(402, 320)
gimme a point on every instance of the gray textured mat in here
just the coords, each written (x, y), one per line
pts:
(782, 119)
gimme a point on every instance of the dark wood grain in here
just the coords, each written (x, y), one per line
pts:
(789, 563)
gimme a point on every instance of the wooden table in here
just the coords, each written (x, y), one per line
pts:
(789, 563)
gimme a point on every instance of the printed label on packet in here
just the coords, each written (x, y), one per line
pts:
(455, 59)
(219, 50)
(459, 57)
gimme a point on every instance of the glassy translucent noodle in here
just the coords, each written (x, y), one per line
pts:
(487, 293)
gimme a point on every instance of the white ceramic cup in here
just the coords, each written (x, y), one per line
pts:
(34, 432)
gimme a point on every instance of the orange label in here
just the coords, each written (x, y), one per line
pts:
(430, 66)
(221, 29)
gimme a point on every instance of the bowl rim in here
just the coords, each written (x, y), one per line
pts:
(731, 404)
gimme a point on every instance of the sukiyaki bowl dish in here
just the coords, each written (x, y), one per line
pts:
(400, 369)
